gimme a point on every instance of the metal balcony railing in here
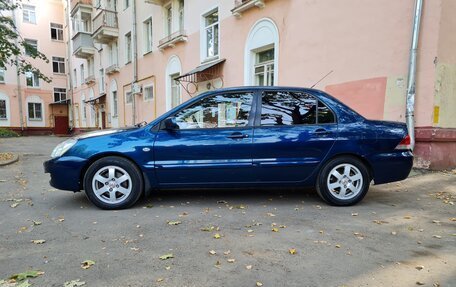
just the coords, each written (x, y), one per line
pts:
(105, 19)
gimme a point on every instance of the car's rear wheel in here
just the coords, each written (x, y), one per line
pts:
(113, 183)
(343, 181)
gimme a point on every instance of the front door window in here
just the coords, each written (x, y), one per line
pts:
(219, 111)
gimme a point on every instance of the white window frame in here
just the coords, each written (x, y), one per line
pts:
(60, 94)
(81, 72)
(266, 65)
(31, 42)
(29, 12)
(2, 76)
(102, 81)
(115, 103)
(59, 65)
(181, 14)
(34, 118)
(75, 77)
(127, 4)
(147, 87)
(35, 80)
(58, 28)
(176, 85)
(128, 48)
(148, 35)
(203, 37)
(169, 19)
(128, 97)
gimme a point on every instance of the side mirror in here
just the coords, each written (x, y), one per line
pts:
(170, 124)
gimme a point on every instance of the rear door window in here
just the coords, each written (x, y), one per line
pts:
(293, 108)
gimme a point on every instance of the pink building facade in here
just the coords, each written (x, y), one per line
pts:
(131, 61)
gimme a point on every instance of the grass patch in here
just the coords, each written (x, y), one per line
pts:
(6, 133)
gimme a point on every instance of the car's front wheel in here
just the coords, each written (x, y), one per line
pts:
(343, 181)
(113, 183)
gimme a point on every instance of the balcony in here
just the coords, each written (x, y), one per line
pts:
(244, 5)
(114, 68)
(106, 27)
(89, 80)
(81, 4)
(171, 40)
(83, 45)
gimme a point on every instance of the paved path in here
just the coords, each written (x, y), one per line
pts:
(398, 228)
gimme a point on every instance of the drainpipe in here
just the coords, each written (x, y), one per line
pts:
(18, 78)
(411, 82)
(69, 77)
(135, 61)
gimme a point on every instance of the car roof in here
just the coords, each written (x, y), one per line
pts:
(265, 88)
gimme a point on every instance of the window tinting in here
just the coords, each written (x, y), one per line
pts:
(288, 108)
(325, 115)
(219, 111)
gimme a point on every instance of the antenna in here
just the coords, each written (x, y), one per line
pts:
(322, 79)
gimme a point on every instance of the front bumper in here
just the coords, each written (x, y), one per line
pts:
(65, 172)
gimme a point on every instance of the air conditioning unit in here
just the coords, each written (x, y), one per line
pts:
(136, 89)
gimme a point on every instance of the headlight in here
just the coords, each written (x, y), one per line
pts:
(62, 147)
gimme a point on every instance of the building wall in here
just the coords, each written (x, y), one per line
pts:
(49, 11)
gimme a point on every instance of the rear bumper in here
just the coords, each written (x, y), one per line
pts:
(65, 172)
(390, 167)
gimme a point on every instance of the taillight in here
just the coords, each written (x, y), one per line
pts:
(405, 143)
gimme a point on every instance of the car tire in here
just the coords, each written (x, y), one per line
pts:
(343, 181)
(113, 183)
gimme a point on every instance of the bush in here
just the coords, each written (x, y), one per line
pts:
(6, 133)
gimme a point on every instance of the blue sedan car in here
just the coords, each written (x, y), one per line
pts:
(238, 137)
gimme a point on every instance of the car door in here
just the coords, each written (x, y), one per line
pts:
(293, 133)
(211, 145)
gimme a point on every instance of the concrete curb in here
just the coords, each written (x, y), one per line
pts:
(11, 161)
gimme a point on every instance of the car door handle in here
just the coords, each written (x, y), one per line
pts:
(322, 132)
(237, 135)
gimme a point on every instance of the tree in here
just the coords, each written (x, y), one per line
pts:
(13, 47)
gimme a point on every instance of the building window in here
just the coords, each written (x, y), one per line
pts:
(169, 19)
(91, 67)
(3, 109)
(148, 35)
(82, 73)
(57, 32)
(114, 104)
(113, 54)
(59, 94)
(29, 14)
(126, 3)
(32, 79)
(211, 31)
(175, 91)
(181, 14)
(2, 75)
(149, 93)
(58, 65)
(128, 98)
(264, 68)
(102, 81)
(31, 46)
(34, 111)
(128, 48)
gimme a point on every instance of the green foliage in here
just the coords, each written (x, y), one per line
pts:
(6, 133)
(12, 54)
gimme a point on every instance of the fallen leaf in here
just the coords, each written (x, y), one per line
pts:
(394, 233)
(437, 236)
(160, 280)
(61, 219)
(218, 264)
(292, 251)
(149, 206)
(166, 256)
(134, 248)
(453, 219)
(168, 267)
(86, 264)
(419, 267)
(249, 230)
(419, 283)
(25, 275)
(227, 252)
(14, 205)
(259, 284)
(208, 229)
(275, 229)
(174, 222)
(74, 283)
(270, 214)
(217, 236)
(36, 222)
(222, 202)
(38, 241)
(282, 226)
(338, 246)
(248, 267)
(231, 260)
(212, 252)
(380, 222)
(407, 217)
(24, 284)
(355, 214)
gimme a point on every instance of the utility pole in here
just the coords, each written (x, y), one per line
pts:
(19, 88)
(135, 62)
